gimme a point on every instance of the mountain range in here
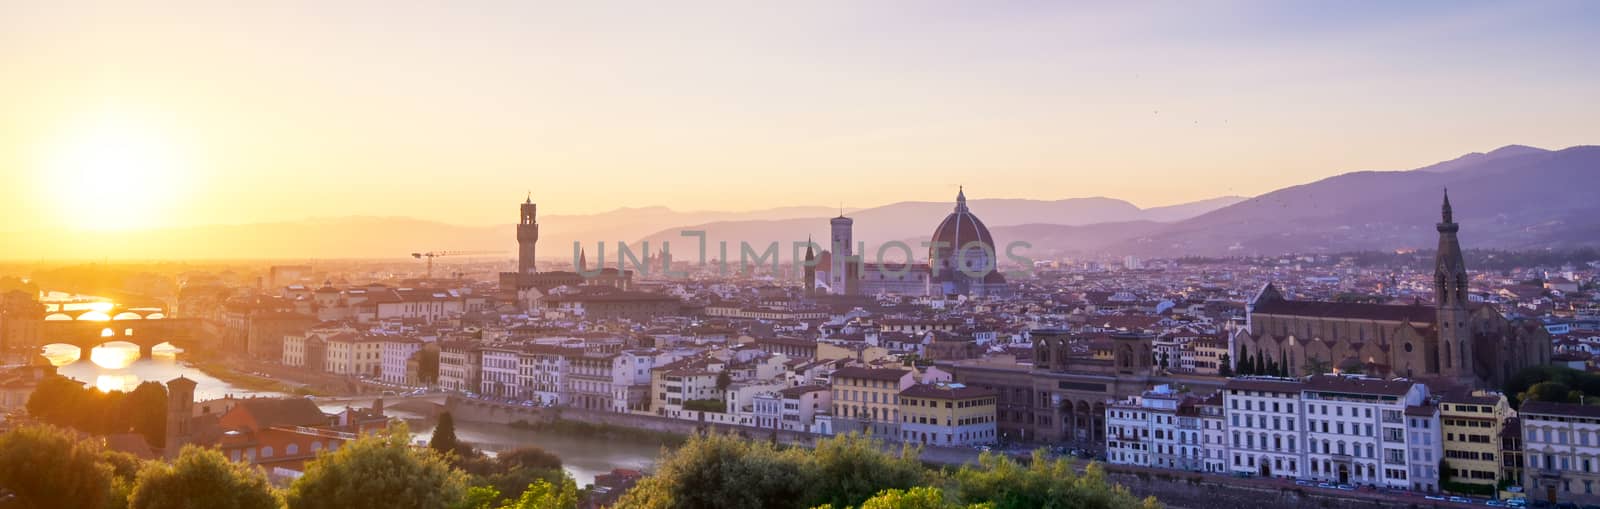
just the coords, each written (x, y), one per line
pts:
(1515, 197)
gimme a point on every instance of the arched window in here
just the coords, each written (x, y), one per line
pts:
(292, 449)
(266, 451)
(316, 446)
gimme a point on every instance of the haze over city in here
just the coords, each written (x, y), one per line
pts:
(1232, 254)
(134, 115)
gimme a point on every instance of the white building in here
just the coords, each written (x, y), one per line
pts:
(1425, 446)
(397, 353)
(499, 374)
(1264, 428)
(542, 373)
(354, 355)
(1159, 428)
(1561, 444)
(1213, 433)
(1356, 429)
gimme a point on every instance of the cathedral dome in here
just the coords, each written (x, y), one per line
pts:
(958, 229)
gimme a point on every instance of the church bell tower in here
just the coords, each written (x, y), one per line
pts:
(1450, 295)
(527, 236)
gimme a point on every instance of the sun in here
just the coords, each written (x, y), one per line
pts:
(110, 171)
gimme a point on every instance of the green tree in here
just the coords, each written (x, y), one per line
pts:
(922, 497)
(1225, 366)
(725, 472)
(1042, 484)
(528, 457)
(1163, 360)
(379, 472)
(46, 467)
(202, 475)
(543, 495)
(850, 468)
(724, 379)
(1549, 391)
(146, 411)
(478, 497)
(1315, 366)
(444, 439)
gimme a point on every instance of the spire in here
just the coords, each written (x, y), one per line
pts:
(809, 254)
(961, 199)
(1446, 214)
(530, 197)
(583, 261)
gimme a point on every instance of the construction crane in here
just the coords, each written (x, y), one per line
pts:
(435, 254)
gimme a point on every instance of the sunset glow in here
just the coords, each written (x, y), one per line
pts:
(111, 171)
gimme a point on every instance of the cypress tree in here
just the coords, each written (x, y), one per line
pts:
(444, 436)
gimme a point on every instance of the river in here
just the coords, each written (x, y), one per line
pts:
(117, 367)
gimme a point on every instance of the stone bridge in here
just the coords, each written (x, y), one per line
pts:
(88, 334)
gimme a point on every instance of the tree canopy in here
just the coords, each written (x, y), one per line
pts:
(47, 467)
(202, 477)
(378, 472)
(66, 402)
(855, 471)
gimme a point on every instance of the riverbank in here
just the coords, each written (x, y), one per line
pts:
(223, 370)
(601, 431)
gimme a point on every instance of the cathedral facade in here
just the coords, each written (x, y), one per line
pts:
(1453, 339)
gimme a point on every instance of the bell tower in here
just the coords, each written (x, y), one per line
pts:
(1450, 295)
(180, 410)
(527, 236)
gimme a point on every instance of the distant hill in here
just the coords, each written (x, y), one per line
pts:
(913, 222)
(1512, 198)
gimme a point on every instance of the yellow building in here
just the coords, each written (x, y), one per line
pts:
(947, 414)
(868, 399)
(1471, 426)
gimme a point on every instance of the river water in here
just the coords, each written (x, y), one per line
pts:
(117, 367)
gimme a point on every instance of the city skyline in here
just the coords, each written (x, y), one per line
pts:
(282, 114)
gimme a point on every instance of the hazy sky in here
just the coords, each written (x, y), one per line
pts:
(121, 115)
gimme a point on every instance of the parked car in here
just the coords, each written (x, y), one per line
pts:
(1434, 497)
(1302, 482)
(1494, 503)
(1346, 487)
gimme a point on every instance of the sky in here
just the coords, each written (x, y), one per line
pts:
(130, 115)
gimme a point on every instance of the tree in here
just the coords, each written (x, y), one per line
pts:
(379, 472)
(1163, 360)
(724, 379)
(44, 466)
(725, 472)
(204, 475)
(1042, 484)
(1314, 366)
(528, 457)
(444, 436)
(853, 467)
(543, 495)
(1550, 391)
(1225, 366)
(1244, 361)
(146, 411)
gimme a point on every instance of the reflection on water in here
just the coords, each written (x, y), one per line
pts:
(116, 366)
(582, 456)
